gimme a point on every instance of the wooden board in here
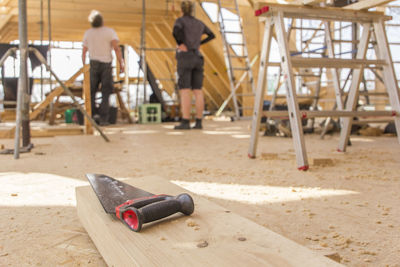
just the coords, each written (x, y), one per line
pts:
(366, 4)
(320, 13)
(7, 132)
(51, 132)
(172, 242)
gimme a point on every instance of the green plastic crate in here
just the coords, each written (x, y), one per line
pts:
(150, 113)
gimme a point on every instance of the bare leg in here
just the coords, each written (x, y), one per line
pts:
(185, 102)
(199, 103)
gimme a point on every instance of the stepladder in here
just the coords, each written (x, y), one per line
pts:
(372, 25)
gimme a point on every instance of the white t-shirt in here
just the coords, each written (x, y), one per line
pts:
(98, 41)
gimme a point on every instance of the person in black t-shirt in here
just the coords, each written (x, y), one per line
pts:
(188, 32)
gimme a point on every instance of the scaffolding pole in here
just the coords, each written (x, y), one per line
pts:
(23, 94)
(143, 50)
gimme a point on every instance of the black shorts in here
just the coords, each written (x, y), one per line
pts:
(190, 70)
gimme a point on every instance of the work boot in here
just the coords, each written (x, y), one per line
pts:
(184, 125)
(197, 124)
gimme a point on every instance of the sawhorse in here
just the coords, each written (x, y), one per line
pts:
(372, 22)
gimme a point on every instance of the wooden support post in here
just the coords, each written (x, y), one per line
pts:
(388, 72)
(293, 107)
(87, 98)
(355, 84)
(261, 85)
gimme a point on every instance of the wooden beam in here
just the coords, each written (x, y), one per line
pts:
(4, 19)
(56, 92)
(311, 2)
(210, 236)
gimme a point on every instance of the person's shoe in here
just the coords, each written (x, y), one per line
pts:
(184, 125)
(198, 125)
(96, 118)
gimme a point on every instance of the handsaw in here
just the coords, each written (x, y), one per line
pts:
(134, 206)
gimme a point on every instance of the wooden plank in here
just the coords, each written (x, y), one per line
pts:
(320, 13)
(366, 4)
(301, 62)
(51, 132)
(331, 113)
(173, 242)
(7, 133)
(311, 2)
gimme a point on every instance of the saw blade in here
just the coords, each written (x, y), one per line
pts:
(112, 193)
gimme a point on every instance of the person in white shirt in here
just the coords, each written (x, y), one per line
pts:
(99, 41)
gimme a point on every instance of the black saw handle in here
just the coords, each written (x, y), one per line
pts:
(137, 213)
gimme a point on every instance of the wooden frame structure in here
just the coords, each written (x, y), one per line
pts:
(69, 21)
(372, 23)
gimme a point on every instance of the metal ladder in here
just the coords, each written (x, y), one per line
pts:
(236, 64)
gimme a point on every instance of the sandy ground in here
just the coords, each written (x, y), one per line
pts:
(350, 209)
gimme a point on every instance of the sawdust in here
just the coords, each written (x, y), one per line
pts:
(202, 244)
(333, 210)
(191, 223)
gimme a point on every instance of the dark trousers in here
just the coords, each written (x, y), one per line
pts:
(101, 73)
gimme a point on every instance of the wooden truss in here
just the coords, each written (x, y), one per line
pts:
(372, 26)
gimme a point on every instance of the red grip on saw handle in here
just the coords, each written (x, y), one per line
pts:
(135, 214)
